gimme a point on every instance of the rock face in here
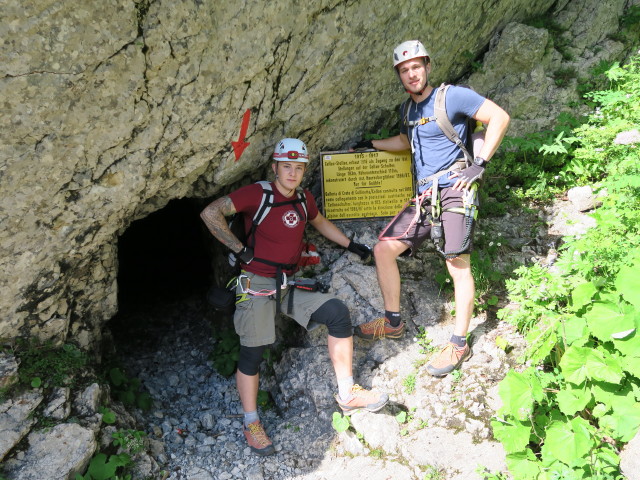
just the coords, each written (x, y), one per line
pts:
(113, 108)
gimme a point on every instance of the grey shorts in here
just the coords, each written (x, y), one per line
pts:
(254, 319)
(403, 229)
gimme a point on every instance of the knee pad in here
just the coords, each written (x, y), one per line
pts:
(250, 359)
(335, 315)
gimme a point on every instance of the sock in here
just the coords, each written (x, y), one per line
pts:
(344, 388)
(393, 317)
(459, 341)
(250, 417)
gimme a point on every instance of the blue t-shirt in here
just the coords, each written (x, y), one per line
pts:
(433, 151)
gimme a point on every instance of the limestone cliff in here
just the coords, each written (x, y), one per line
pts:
(112, 108)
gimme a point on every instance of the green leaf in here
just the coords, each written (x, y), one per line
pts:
(575, 331)
(582, 295)
(523, 465)
(607, 318)
(518, 392)
(572, 400)
(102, 468)
(513, 435)
(624, 420)
(599, 410)
(340, 423)
(108, 416)
(36, 382)
(628, 283)
(580, 363)
(630, 348)
(568, 441)
(117, 377)
(401, 417)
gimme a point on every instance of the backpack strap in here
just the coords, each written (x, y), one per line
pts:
(442, 120)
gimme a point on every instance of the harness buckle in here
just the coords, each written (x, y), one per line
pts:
(423, 121)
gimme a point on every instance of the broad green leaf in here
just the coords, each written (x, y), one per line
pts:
(607, 460)
(572, 400)
(340, 423)
(573, 364)
(580, 363)
(582, 295)
(607, 318)
(513, 435)
(518, 392)
(540, 343)
(102, 468)
(624, 420)
(568, 441)
(523, 465)
(117, 377)
(574, 330)
(599, 410)
(610, 394)
(630, 348)
(628, 283)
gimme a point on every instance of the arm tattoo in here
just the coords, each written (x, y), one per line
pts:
(213, 217)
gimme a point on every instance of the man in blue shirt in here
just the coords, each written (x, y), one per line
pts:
(440, 175)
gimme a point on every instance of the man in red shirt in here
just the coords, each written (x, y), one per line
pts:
(272, 252)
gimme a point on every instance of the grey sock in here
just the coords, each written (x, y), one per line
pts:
(250, 417)
(460, 341)
(344, 388)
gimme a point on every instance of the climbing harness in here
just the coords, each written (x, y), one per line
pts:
(470, 195)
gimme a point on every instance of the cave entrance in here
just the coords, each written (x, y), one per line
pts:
(163, 257)
(165, 269)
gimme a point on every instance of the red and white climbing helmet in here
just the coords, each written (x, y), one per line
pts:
(291, 150)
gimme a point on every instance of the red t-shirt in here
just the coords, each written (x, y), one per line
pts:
(279, 237)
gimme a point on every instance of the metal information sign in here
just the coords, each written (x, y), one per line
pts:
(365, 184)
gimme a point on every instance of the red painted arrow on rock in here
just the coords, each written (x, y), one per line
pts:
(240, 145)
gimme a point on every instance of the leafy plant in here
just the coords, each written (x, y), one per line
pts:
(569, 412)
(340, 423)
(47, 365)
(131, 441)
(409, 383)
(226, 352)
(128, 390)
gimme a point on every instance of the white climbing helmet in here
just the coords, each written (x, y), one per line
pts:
(291, 149)
(407, 51)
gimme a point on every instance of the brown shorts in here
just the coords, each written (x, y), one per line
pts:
(404, 229)
(254, 319)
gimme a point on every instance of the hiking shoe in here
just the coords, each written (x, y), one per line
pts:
(448, 359)
(379, 328)
(257, 439)
(362, 398)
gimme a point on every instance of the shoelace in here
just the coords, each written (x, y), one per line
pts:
(357, 389)
(259, 434)
(378, 328)
(458, 352)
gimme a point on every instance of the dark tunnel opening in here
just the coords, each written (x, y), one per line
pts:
(163, 257)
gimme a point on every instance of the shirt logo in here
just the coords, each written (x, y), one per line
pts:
(291, 219)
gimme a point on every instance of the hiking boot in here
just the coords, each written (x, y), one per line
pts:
(448, 359)
(379, 328)
(257, 439)
(362, 398)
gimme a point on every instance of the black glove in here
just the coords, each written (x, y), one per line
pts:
(245, 255)
(363, 251)
(471, 174)
(362, 144)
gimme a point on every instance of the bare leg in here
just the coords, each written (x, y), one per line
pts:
(386, 252)
(248, 390)
(464, 288)
(341, 354)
